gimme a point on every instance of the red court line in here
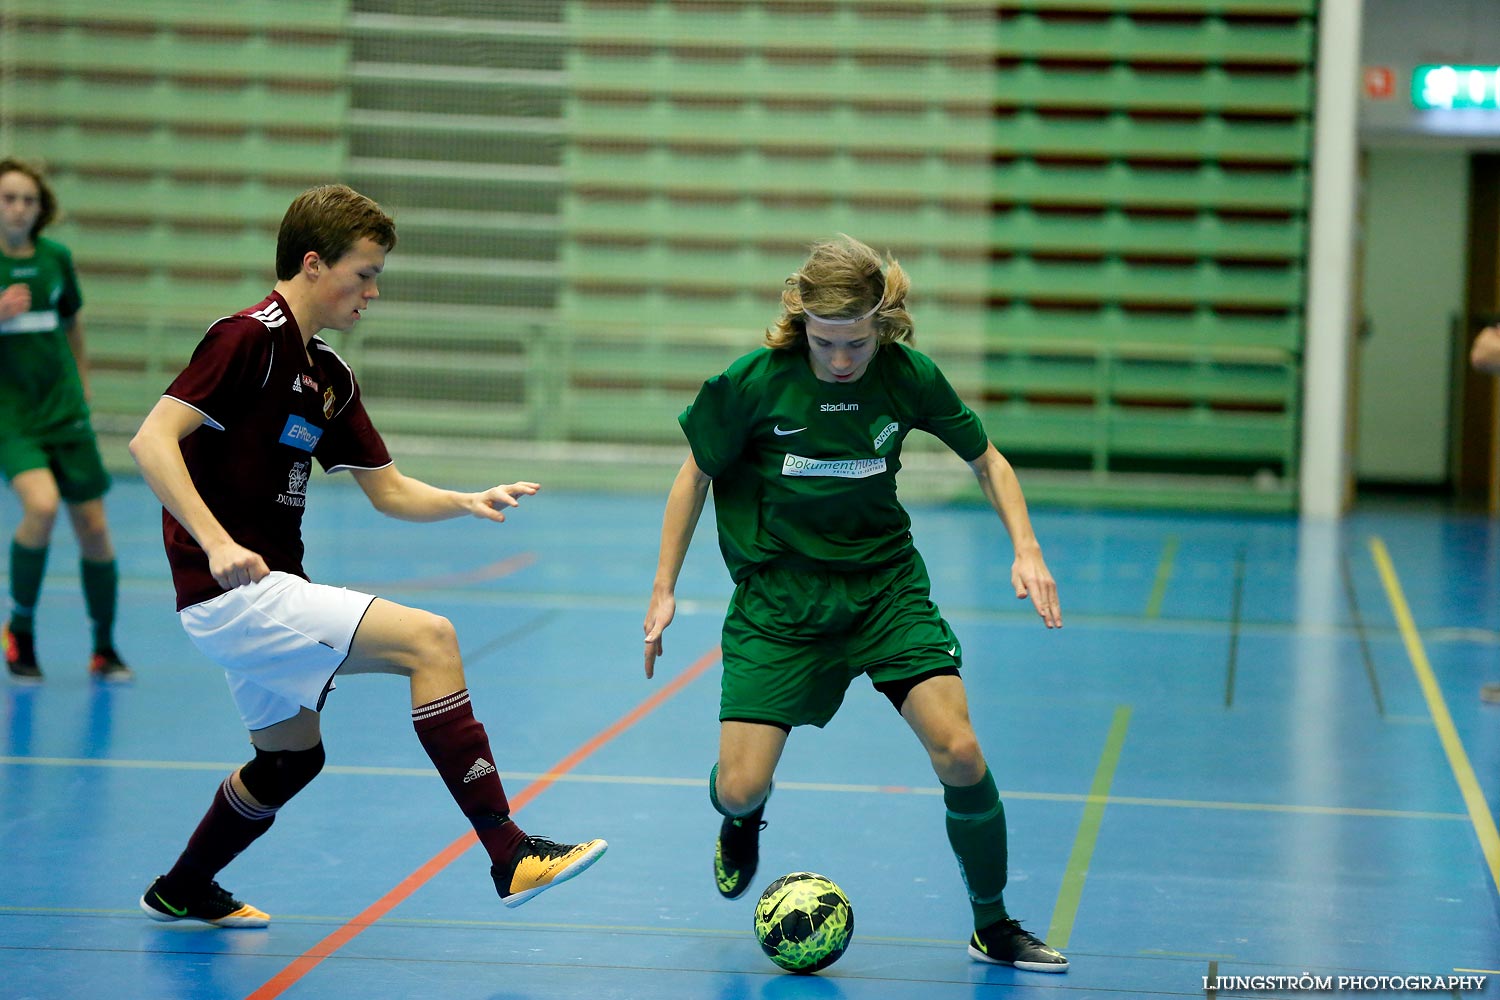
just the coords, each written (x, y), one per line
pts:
(309, 959)
(493, 571)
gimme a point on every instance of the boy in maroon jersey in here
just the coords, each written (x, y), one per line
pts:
(228, 450)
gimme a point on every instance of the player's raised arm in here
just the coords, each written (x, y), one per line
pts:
(407, 499)
(684, 507)
(1029, 573)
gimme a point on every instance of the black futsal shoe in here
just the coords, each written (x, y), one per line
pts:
(737, 852)
(212, 904)
(20, 656)
(1006, 942)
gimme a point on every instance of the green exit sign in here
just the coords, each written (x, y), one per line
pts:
(1456, 87)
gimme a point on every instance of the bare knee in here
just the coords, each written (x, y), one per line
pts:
(38, 515)
(957, 758)
(740, 790)
(92, 529)
(433, 644)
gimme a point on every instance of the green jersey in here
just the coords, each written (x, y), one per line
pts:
(804, 471)
(41, 394)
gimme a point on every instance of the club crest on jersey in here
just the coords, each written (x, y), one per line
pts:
(300, 434)
(328, 402)
(885, 430)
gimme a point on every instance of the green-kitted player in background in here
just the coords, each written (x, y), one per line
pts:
(802, 441)
(47, 448)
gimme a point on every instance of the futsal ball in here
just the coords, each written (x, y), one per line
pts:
(803, 922)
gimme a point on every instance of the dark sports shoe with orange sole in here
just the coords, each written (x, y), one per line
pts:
(105, 665)
(20, 656)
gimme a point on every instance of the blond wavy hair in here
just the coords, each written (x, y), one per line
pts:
(843, 278)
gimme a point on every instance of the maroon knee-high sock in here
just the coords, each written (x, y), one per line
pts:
(229, 826)
(460, 751)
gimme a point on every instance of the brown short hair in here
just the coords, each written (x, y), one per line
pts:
(328, 220)
(48, 214)
(843, 278)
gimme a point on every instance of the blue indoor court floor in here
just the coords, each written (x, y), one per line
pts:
(1255, 749)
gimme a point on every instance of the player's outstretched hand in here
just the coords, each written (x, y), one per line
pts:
(1031, 578)
(488, 504)
(233, 565)
(658, 616)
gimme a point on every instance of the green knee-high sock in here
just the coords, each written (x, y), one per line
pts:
(27, 566)
(976, 829)
(101, 591)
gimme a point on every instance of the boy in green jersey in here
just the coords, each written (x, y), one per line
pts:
(801, 442)
(47, 449)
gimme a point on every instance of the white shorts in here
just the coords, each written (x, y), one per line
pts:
(280, 640)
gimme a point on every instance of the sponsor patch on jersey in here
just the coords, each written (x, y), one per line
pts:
(35, 321)
(839, 468)
(300, 434)
(296, 485)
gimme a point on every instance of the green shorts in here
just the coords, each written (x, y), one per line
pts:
(75, 463)
(795, 638)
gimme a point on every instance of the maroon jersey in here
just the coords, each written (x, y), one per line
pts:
(268, 413)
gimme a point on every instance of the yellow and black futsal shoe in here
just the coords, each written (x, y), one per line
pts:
(1006, 942)
(540, 864)
(211, 904)
(737, 852)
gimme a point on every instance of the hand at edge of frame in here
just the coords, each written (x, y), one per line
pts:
(658, 616)
(1031, 578)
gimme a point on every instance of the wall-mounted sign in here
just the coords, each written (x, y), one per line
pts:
(1380, 82)
(1456, 87)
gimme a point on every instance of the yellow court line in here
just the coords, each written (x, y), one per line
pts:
(1070, 894)
(1163, 574)
(662, 781)
(1458, 760)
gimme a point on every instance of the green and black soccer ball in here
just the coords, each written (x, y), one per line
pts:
(803, 922)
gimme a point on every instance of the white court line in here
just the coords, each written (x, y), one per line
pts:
(797, 786)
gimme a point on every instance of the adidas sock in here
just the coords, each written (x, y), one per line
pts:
(976, 830)
(101, 590)
(460, 750)
(27, 567)
(230, 825)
